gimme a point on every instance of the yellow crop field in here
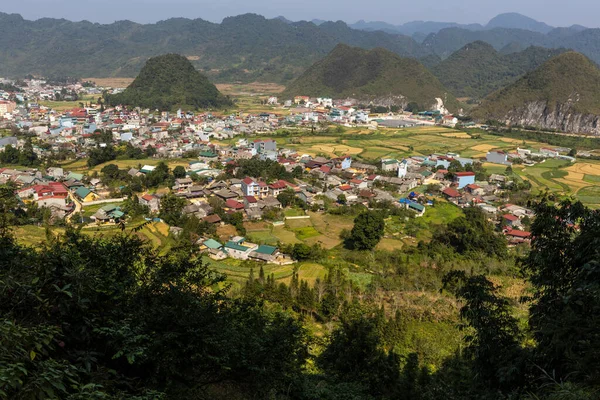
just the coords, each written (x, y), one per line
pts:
(510, 140)
(335, 149)
(585, 168)
(459, 135)
(483, 147)
(111, 82)
(162, 228)
(574, 180)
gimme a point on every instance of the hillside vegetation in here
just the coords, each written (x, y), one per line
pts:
(478, 69)
(370, 75)
(568, 79)
(170, 81)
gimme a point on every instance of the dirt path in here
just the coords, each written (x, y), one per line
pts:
(77, 210)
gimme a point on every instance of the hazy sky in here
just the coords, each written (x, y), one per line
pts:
(553, 12)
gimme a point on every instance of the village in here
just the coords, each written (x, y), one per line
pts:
(207, 149)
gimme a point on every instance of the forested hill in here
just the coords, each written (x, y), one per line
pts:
(374, 75)
(167, 82)
(562, 94)
(478, 69)
(268, 49)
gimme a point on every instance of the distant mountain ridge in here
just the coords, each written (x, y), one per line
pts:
(375, 76)
(562, 94)
(248, 47)
(506, 20)
(243, 48)
(518, 21)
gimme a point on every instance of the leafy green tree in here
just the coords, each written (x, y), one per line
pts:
(367, 231)
(494, 327)
(171, 208)
(287, 197)
(159, 176)
(111, 171)
(92, 318)
(564, 271)
(355, 353)
(472, 233)
(573, 152)
(179, 172)
(301, 252)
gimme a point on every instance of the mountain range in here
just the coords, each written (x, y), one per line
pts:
(250, 47)
(506, 20)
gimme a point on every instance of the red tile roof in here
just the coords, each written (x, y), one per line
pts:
(212, 219)
(345, 187)
(278, 185)
(451, 192)
(510, 217)
(231, 203)
(519, 234)
(461, 174)
(248, 181)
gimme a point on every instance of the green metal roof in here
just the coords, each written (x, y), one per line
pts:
(235, 246)
(265, 249)
(82, 192)
(117, 214)
(212, 244)
(416, 206)
(75, 176)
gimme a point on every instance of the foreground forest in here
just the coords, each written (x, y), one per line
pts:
(109, 318)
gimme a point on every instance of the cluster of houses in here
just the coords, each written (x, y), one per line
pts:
(239, 248)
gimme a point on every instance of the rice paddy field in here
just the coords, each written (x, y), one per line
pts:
(372, 145)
